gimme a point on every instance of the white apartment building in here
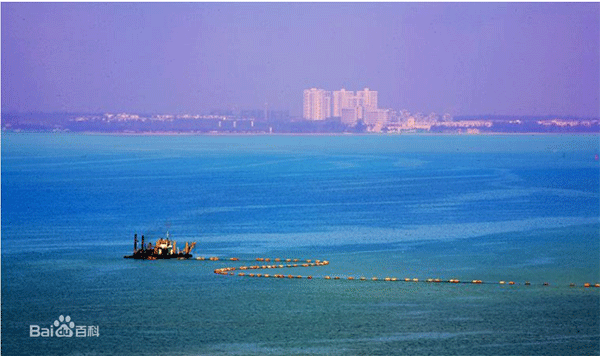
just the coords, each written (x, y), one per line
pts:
(317, 104)
(342, 99)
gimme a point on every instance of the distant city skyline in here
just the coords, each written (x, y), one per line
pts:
(458, 58)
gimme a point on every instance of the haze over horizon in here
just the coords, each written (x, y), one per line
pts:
(463, 58)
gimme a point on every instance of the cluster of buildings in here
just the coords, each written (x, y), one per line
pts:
(349, 106)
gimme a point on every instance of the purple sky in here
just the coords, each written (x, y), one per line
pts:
(465, 58)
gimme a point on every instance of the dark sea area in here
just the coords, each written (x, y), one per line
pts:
(522, 208)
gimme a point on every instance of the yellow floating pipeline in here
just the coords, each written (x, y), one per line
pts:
(310, 263)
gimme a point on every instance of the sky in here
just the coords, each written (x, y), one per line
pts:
(458, 58)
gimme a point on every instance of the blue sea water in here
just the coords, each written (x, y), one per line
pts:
(513, 208)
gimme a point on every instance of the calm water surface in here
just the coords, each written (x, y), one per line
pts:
(521, 208)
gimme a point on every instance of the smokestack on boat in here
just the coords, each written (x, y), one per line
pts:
(143, 248)
(134, 243)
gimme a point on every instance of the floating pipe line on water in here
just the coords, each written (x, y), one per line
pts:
(228, 271)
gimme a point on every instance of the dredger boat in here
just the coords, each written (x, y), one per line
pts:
(163, 249)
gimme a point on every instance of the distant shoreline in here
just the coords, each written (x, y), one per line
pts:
(99, 133)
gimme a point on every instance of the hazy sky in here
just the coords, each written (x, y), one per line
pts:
(465, 58)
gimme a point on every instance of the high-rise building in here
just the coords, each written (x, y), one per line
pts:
(367, 99)
(342, 99)
(317, 104)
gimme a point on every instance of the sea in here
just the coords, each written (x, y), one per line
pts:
(514, 208)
